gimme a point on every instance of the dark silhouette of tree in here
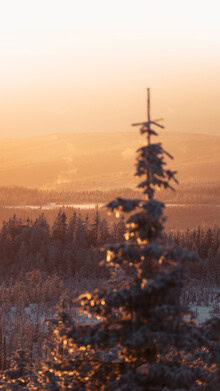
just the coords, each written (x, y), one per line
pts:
(121, 228)
(71, 229)
(81, 234)
(59, 227)
(104, 231)
(95, 228)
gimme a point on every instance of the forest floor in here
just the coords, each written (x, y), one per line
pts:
(203, 300)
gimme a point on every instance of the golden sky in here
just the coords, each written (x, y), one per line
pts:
(83, 65)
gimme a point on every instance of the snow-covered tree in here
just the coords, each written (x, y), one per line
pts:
(145, 338)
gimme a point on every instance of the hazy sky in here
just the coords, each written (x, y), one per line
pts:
(68, 65)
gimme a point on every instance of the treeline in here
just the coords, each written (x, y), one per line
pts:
(20, 196)
(71, 243)
(206, 242)
(179, 217)
(65, 247)
(186, 194)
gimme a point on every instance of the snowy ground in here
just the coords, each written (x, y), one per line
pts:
(204, 301)
(201, 312)
(28, 325)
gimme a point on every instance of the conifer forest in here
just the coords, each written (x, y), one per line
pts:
(114, 289)
(109, 195)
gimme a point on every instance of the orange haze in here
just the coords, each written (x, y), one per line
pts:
(83, 66)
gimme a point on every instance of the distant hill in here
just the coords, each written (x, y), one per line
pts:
(101, 160)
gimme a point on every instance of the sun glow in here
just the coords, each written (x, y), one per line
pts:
(66, 63)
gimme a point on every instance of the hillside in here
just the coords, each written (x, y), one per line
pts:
(101, 160)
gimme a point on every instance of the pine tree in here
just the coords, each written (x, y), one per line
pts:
(71, 230)
(95, 228)
(143, 340)
(81, 234)
(59, 227)
(104, 231)
(121, 228)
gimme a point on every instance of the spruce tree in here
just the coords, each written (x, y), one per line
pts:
(59, 227)
(95, 228)
(144, 339)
